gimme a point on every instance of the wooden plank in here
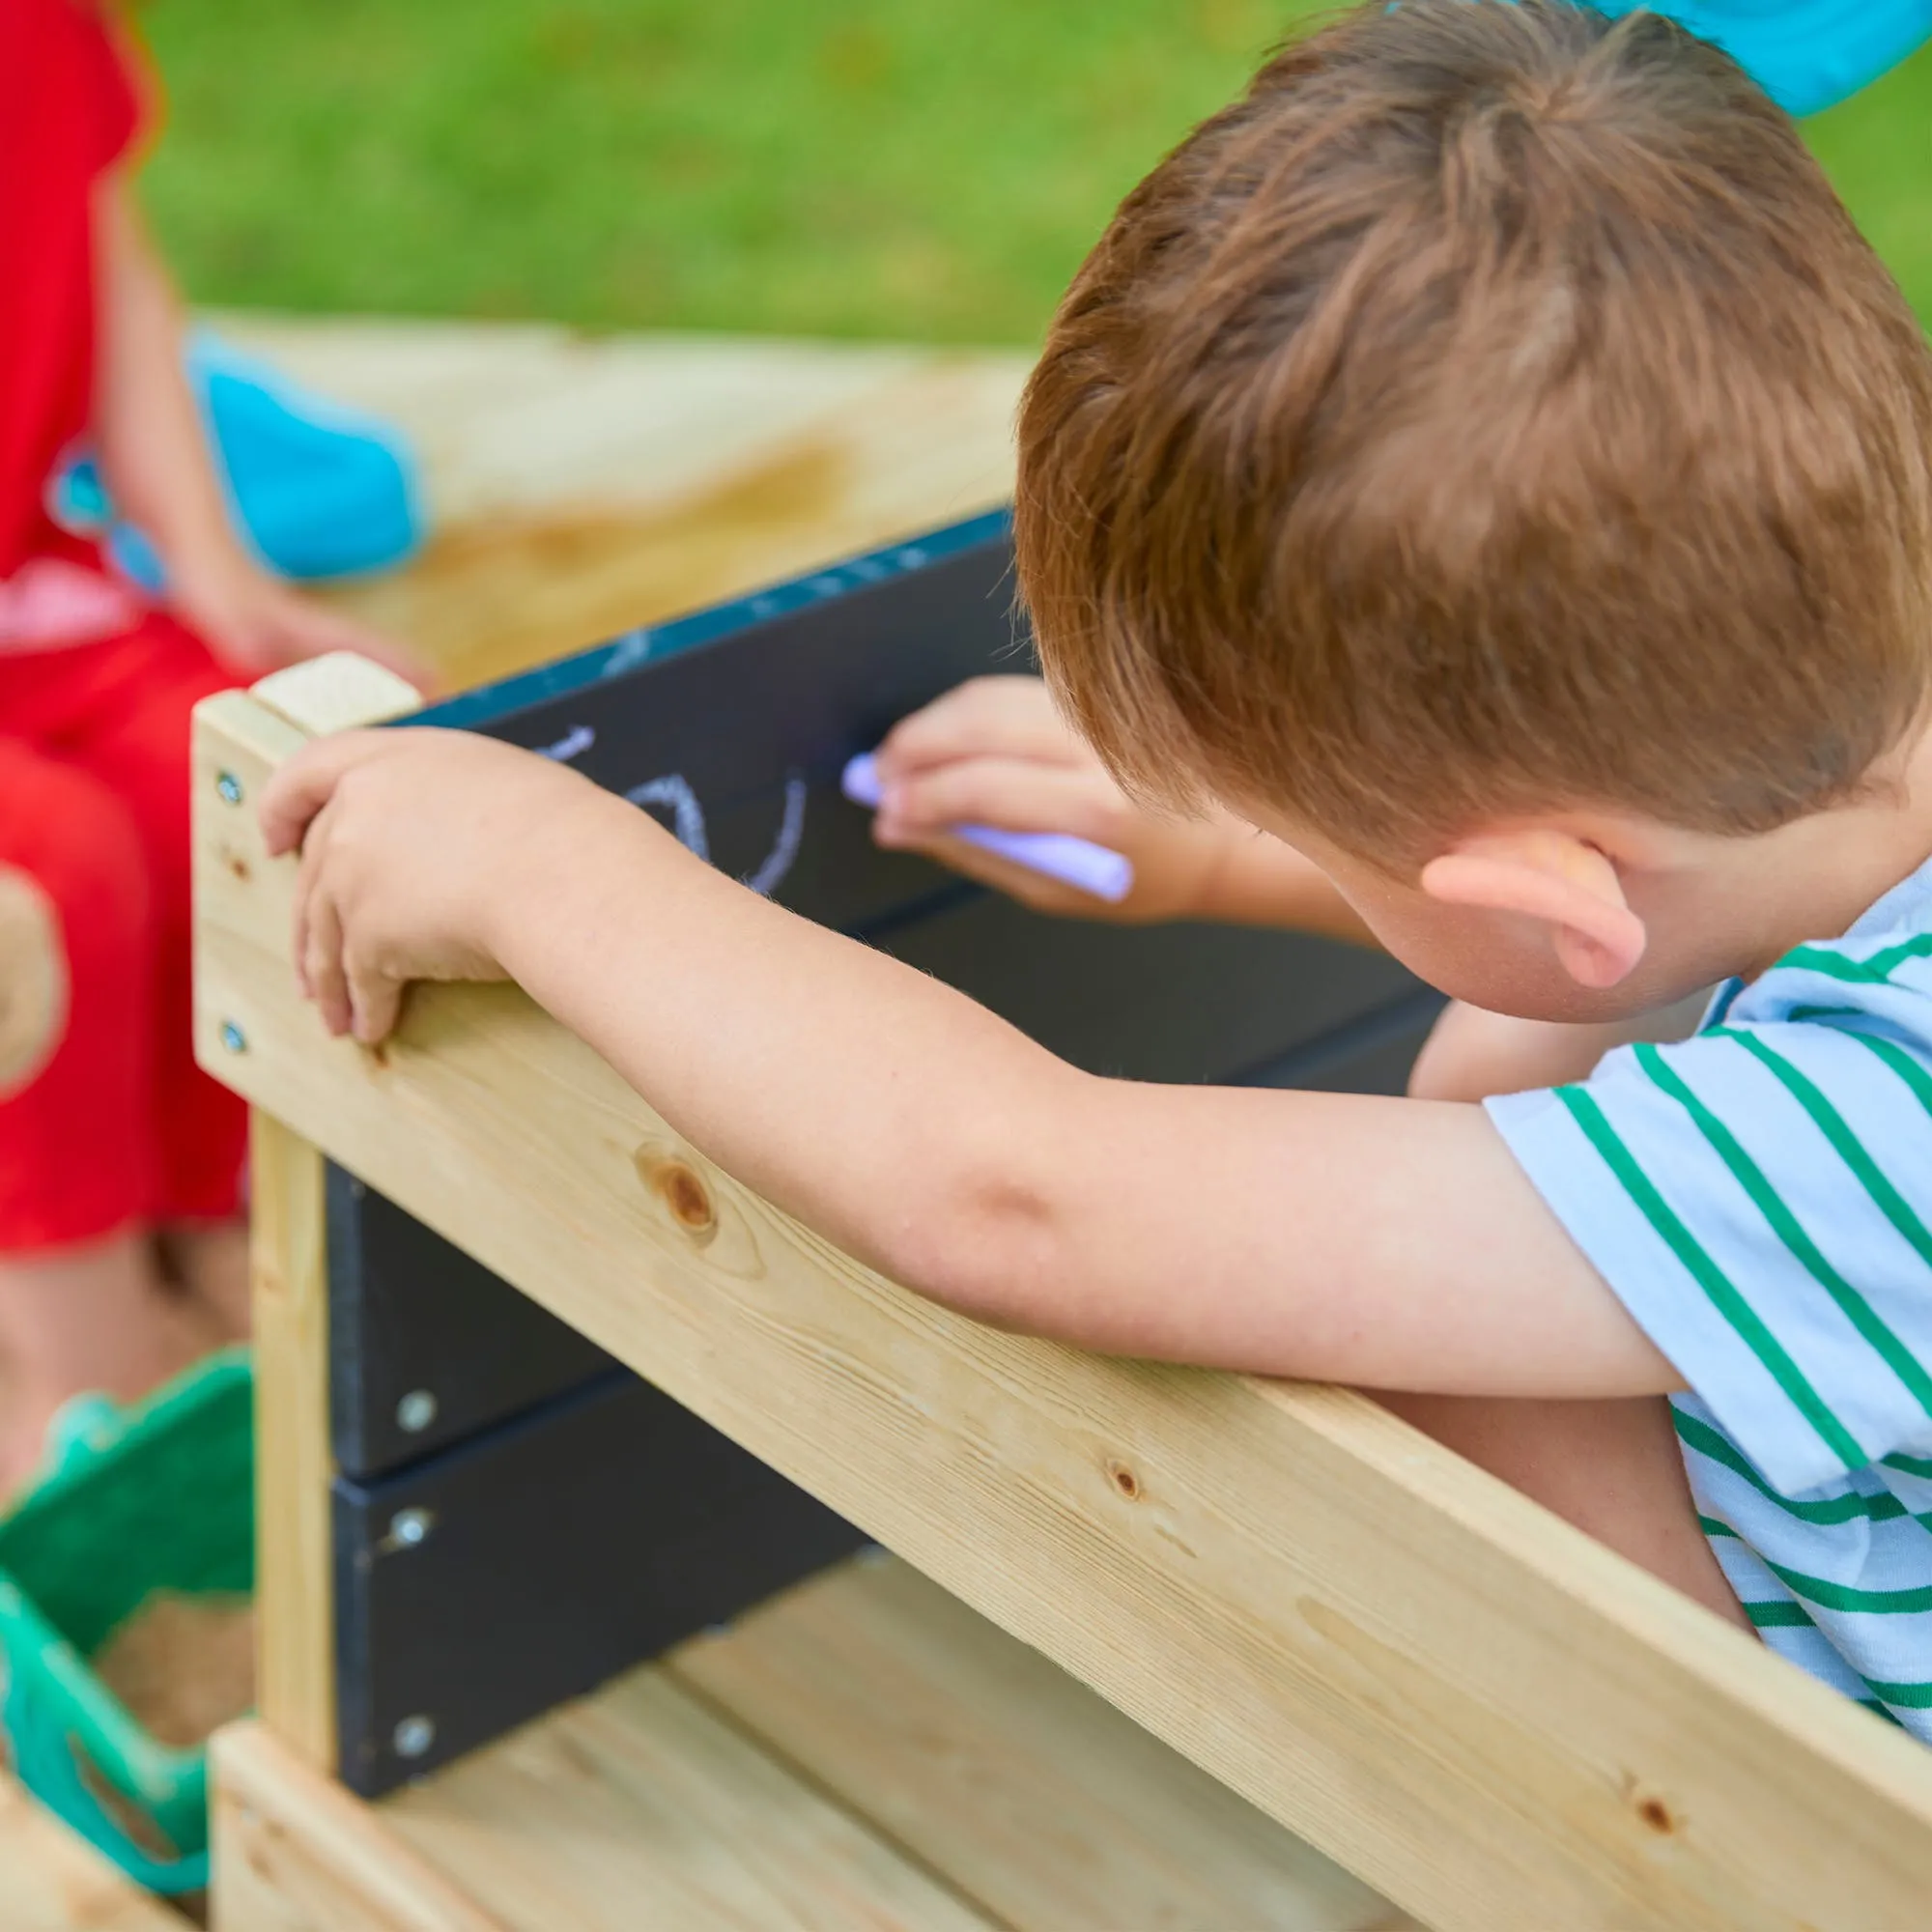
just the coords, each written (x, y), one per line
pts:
(294, 1571)
(296, 1665)
(1478, 1710)
(638, 1807)
(52, 1881)
(295, 1853)
(1029, 1792)
(581, 487)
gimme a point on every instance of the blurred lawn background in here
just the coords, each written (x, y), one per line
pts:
(927, 170)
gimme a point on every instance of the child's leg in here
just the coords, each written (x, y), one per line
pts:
(1613, 1469)
(79, 1305)
(92, 1317)
(132, 732)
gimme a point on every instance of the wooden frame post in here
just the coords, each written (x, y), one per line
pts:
(294, 1588)
(295, 1592)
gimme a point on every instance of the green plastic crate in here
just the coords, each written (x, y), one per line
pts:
(155, 1498)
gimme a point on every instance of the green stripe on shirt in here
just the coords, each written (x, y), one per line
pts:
(1830, 1595)
(1742, 1317)
(1846, 1508)
(1875, 971)
(1875, 1182)
(1777, 1210)
(1899, 1061)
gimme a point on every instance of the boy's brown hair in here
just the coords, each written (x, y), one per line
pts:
(1494, 409)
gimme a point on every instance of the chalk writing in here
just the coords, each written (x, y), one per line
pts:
(574, 743)
(770, 875)
(686, 815)
(673, 794)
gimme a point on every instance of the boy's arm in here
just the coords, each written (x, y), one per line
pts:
(1385, 1243)
(994, 752)
(157, 461)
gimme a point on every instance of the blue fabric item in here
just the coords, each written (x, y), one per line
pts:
(1806, 55)
(317, 490)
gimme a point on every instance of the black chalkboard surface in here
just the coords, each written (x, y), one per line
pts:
(733, 727)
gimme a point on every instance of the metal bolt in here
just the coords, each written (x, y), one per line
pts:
(413, 1736)
(408, 1527)
(229, 788)
(232, 1038)
(417, 1411)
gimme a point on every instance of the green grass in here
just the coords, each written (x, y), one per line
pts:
(927, 169)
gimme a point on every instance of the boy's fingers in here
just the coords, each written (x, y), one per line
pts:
(1014, 794)
(1011, 715)
(308, 885)
(302, 786)
(322, 965)
(374, 998)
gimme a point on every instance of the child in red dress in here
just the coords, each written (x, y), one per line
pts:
(113, 1146)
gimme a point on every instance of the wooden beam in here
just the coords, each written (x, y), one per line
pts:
(1480, 1710)
(640, 1806)
(52, 1880)
(1033, 1797)
(295, 1591)
(295, 1853)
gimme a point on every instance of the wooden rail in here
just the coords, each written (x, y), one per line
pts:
(1484, 1714)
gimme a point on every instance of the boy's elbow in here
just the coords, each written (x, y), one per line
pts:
(986, 1243)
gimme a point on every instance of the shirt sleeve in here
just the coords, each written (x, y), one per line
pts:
(112, 93)
(1759, 1197)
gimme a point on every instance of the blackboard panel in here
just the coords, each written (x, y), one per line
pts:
(753, 722)
(491, 1582)
(425, 1344)
(1165, 1003)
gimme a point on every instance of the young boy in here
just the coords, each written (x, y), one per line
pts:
(1487, 459)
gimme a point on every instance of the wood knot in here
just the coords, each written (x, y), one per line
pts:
(1124, 1480)
(682, 1190)
(1653, 1810)
(238, 865)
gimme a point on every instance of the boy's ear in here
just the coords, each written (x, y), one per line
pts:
(1557, 878)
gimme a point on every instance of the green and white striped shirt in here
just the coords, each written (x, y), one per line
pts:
(1760, 1199)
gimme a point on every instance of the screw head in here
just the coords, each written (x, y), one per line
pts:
(413, 1735)
(408, 1527)
(228, 787)
(417, 1411)
(232, 1038)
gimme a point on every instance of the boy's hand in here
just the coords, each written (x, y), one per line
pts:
(404, 838)
(994, 752)
(255, 623)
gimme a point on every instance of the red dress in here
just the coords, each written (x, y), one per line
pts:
(120, 1128)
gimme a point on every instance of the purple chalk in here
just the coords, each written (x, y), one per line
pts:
(1075, 862)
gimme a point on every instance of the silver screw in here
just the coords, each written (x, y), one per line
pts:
(229, 788)
(413, 1736)
(408, 1527)
(232, 1038)
(417, 1411)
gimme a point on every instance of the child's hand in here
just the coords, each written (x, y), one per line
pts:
(254, 623)
(406, 837)
(994, 752)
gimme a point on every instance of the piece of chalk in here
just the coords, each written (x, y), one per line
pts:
(1075, 862)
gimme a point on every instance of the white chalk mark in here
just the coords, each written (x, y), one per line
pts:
(574, 743)
(686, 815)
(672, 794)
(770, 875)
